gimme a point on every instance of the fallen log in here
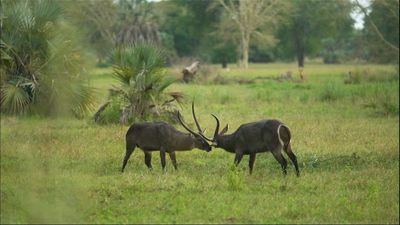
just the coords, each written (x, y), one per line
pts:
(190, 71)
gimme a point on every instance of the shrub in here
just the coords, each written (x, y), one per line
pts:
(41, 62)
(139, 68)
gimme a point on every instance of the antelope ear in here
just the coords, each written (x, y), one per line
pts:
(223, 131)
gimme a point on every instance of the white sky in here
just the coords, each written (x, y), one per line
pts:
(358, 16)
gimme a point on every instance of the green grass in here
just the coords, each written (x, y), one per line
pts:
(344, 135)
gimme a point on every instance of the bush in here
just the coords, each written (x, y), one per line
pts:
(112, 112)
(140, 70)
(42, 64)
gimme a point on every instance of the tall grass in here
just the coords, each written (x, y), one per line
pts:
(331, 92)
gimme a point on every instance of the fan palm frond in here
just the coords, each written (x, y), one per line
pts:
(83, 99)
(140, 70)
(14, 99)
(43, 70)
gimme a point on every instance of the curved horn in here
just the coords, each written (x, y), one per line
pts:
(208, 139)
(198, 125)
(183, 124)
(195, 119)
(216, 128)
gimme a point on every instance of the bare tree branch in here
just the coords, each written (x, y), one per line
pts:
(376, 29)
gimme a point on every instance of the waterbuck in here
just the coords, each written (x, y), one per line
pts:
(161, 136)
(252, 138)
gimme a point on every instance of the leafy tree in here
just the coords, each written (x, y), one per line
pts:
(109, 23)
(253, 19)
(136, 22)
(140, 70)
(189, 24)
(97, 21)
(381, 30)
(310, 21)
(41, 63)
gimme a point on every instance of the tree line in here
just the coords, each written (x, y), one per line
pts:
(233, 31)
(46, 45)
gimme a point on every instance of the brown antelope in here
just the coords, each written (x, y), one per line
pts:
(252, 138)
(161, 136)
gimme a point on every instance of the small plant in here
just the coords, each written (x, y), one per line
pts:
(330, 92)
(140, 70)
(112, 111)
(235, 179)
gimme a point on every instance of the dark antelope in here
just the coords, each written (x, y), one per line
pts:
(160, 136)
(252, 138)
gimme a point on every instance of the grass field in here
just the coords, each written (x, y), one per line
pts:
(345, 136)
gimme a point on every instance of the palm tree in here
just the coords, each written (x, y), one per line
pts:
(136, 22)
(140, 70)
(41, 63)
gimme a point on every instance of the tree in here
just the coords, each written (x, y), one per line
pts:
(311, 21)
(186, 25)
(253, 18)
(108, 23)
(382, 29)
(41, 62)
(136, 22)
(96, 20)
(139, 69)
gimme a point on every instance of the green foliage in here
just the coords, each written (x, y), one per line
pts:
(136, 21)
(14, 98)
(385, 15)
(42, 69)
(189, 22)
(335, 51)
(113, 111)
(302, 35)
(96, 20)
(139, 69)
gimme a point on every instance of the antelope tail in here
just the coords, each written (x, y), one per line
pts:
(286, 142)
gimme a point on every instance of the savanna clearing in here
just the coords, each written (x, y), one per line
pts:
(345, 134)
